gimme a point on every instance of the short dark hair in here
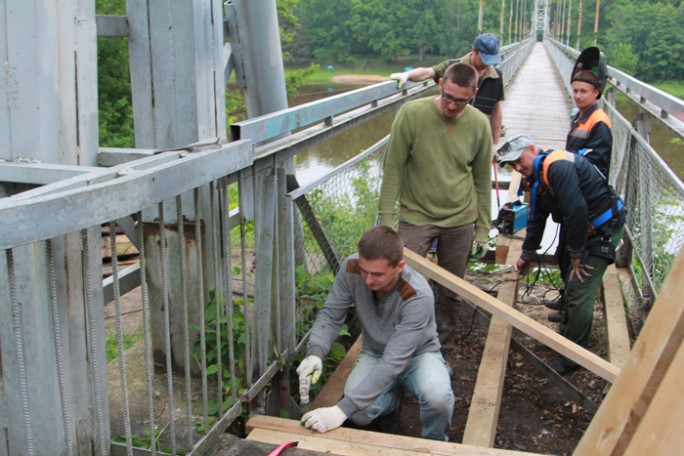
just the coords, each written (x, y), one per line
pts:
(381, 242)
(461, 74)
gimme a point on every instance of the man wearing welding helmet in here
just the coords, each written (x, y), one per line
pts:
(590, 135)
(590, 128)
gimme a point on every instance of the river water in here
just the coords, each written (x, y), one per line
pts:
(332, 152)
(336, 150)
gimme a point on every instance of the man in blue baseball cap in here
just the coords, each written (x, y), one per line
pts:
(487, 46)
(483, 56)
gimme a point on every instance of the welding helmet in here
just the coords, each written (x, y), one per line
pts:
(593, 60)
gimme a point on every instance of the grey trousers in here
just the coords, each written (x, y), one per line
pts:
(453, 247)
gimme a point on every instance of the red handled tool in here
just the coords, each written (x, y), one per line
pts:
(283, 447)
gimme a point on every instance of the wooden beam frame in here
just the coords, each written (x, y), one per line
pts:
(616, 321)
(517, 319)
(357, 442)
(646, 387)
(333, 390)
(483, 415)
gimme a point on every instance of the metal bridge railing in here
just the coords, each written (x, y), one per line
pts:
(513, 56)
(194, 363)
(653, 194)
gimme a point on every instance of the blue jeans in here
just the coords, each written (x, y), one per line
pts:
(426, 377)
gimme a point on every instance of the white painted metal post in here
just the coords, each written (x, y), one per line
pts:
(178, 88)
(262, 56)
(48, 114)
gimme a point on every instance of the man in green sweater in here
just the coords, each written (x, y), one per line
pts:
(438, 168)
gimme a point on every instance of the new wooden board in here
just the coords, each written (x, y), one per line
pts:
(616, 321)
(357, 439)
(620, 414)
(517, 319)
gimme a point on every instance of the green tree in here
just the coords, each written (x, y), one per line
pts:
(328, 29)
(288, 21)
(653, 31)
(623, 58)
(426, 27)
(384, 26)
(114, 86)
(458, 25)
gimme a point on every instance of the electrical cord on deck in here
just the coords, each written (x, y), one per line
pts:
(530, 285)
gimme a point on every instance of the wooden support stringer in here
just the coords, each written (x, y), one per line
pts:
(616, 321)
(619, 419)
(357, 442)
(483, 415)
(536, 330)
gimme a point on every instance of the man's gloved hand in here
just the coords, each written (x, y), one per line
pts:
(309, 372)
(479, 250)
(401, 78)
(324, 419)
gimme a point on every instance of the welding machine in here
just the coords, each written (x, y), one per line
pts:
(512, 217)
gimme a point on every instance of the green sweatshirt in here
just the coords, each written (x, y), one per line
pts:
(438, 168)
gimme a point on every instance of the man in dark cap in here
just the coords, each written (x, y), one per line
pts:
(483, 57)
(568, 187)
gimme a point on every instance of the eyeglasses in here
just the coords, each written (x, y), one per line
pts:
(459, 101)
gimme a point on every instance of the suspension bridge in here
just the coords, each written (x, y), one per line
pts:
(226, 240)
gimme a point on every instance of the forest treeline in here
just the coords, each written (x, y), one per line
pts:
(641, 37)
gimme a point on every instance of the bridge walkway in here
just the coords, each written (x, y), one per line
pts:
(536, 102)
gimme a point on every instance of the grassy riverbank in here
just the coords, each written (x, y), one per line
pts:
(674, 88)
(372, 67)
(365, 67)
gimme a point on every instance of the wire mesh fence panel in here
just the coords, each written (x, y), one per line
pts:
(336, 213)
(654, 197)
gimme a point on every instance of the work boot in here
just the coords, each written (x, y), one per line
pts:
(558, 303)
(557, 317)
(562, 368)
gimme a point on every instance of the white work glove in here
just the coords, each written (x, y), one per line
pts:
(324, 419)
(479, 250)
(401, 78)
(309, 372)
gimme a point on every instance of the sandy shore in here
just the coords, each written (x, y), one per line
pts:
(367, 79)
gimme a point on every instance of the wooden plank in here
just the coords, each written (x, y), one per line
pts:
(324, 445)
(529, 326)
(485, 404)
(386, 443)
(616, 321)
(660, 432)
(626, 403)
(333, 390)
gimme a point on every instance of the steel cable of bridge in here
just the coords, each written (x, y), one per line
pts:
(90, 317)
(59, 348)
(119, 339)
(144, 292)
(19, 346)
(200, 294)
(167, 324)
(186, 322)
